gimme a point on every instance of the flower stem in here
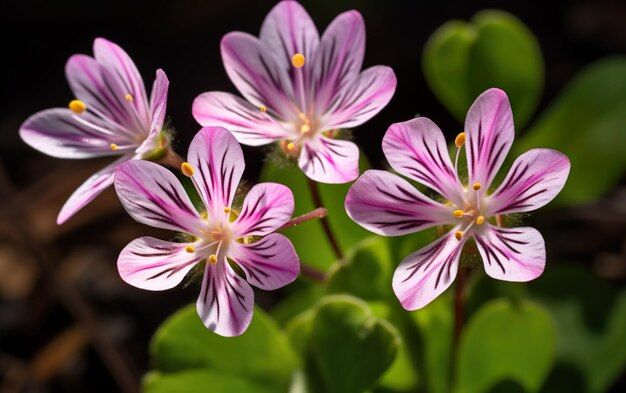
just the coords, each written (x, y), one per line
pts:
(459, 305)
(320, 212)
(317, 201)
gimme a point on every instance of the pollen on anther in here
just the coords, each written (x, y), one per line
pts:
(187, 169)
(458, 235)
(477, 186)
(113, 146)
(77, 106)
(480, 220)
(128, 97)
(213, 259)
(305, 128)
(227, 210)
(290, 146)
(190, 249)
(263, 108)
(298, 60)
(458, 213)
(460, 140)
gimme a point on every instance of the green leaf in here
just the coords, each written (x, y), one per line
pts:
(586, 122)
(506, 341)
(309, 238)
(461, 60)
(201, 381)
(261, 354)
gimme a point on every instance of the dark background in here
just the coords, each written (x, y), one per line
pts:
(44, 329)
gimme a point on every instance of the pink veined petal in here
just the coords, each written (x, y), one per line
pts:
(417, 149)
(329, 160)
(511, 254)
(247, 123)
(339, 57)
(536, 177)
(388, 205)
(218, 162)
(489, 131)
(226, 301)
(155, 264)
(61, 133)
(361, 100)
(257, 74)
(425, 274)
(152, 195)
(266, 208)
(288, 29)
(117, 62)
(90, 189)
(158, 100)
(270, 263)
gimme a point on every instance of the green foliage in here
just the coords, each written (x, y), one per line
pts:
(506, 341)
(201, 381)
(461, 60)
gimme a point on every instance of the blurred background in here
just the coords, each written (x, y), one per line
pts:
(67, 321)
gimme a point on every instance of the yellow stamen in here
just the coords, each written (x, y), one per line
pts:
(290, 146)
(113, 146)
(128, 97)
(297, 60)
(190, 249)
(227, 210)
(213, 259)
(458, 235)
(458, 213)
(480, 220)
(476, 186)
(460, 140)
(187, 169)
(263, 108)
(305, 128)
(77, 106)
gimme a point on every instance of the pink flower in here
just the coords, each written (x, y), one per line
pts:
(152, 195)
(299, 88)
(388, 205)
(111, 116)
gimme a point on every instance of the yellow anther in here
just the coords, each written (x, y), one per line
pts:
(297, 60)
(77, 106)
(480, 220)
(187, 169)
(458, 213)
(458, 235)
(305, 128)
(190, 249)
(227, 210)
(263, 108)
(460, 140)
(128, 97)
(113, 146)
(213, 259)
(290, 146)
(476, 186)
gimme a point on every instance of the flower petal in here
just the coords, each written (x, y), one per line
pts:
(152, 195)
(339, 58)
(155, 264)
(226, 301)
(61, 133)
(417, 149)
(361, 100)
(388, 205)
(329, 160)
(511, 254)
(90, 189)
(257, 74)
(266, 208)
(158, 100)
(489, 130)
(536, 177)
(270, 263)
(248, 124)
(218, 162)
(425, 274)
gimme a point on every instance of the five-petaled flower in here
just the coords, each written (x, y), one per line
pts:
(152, 195)
(111, 116)
(389, 205)
(299, 89)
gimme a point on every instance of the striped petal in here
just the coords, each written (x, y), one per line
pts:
(536, 177)
(158, 100)
(226, 301)
(329, 160)
(489, 131)
(218, 162)
(425, 274)
(388, 205)
(511, 254)
(266, 208)
(417, 149)
(270, 263)
(155, 264)
(152, 195)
